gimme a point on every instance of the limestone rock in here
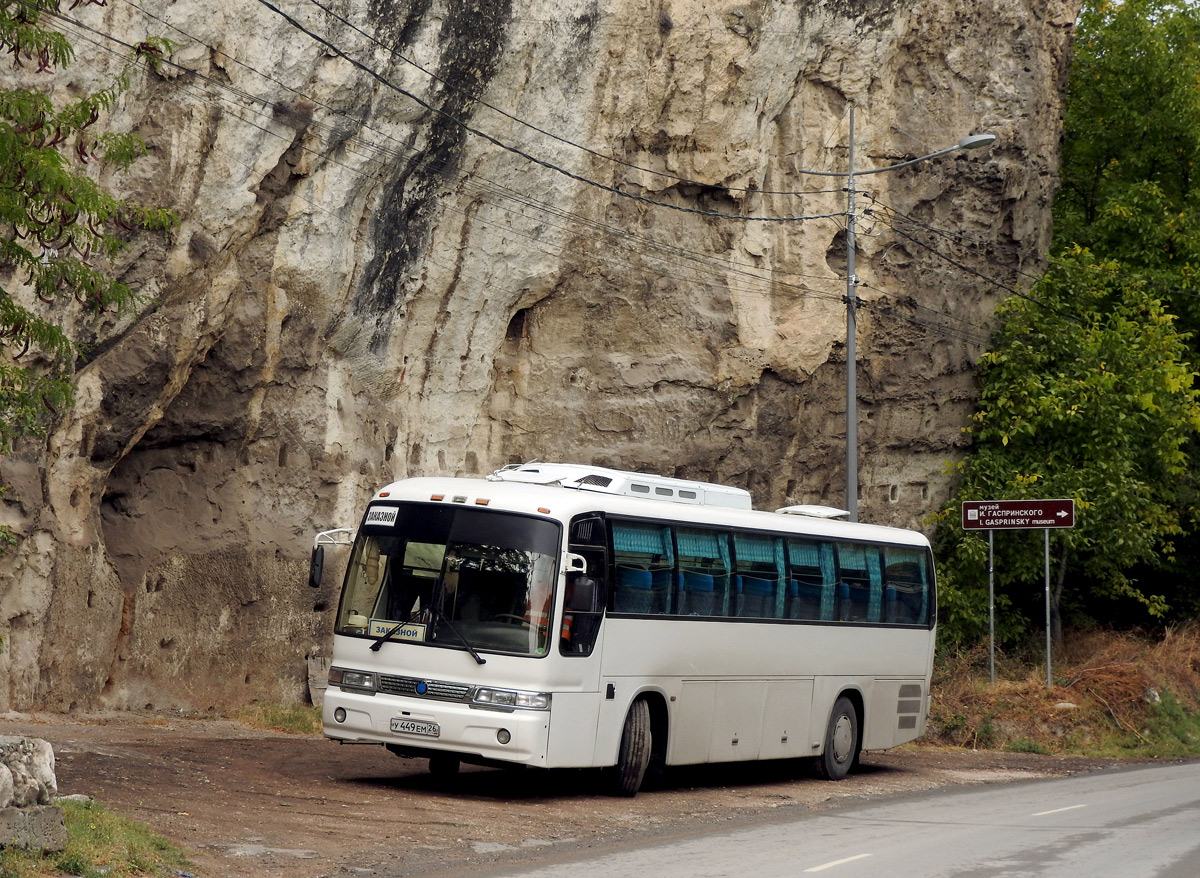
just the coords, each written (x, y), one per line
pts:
(28, 777)
(37, 828)
(446, 236)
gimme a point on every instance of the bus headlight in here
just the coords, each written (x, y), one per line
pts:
(362, 681)
(508, 698)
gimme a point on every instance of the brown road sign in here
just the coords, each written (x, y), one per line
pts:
(1017, 514)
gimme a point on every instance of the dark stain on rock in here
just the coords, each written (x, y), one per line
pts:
(471, 38)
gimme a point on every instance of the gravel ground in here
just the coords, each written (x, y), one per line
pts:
(251, 803)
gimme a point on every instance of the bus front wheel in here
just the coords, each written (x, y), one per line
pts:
(841, 741)
(635, 750)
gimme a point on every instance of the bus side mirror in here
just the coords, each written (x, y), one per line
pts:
(316, 566)
(582, 595)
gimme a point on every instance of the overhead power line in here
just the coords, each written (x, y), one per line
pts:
(495, 141)
(762, 282)
(474, 98)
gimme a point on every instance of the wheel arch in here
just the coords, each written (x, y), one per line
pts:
(854, 695)
(660, 721)
(608, 738)
(660, 724)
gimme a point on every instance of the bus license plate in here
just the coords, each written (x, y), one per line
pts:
(415, 727)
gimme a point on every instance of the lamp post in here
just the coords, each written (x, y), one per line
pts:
(969, 142)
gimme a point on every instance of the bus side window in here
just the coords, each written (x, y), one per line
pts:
(813, 587)
(854, 599)
(907, 587)
(760, 569)
(704, 580)
(643, 564)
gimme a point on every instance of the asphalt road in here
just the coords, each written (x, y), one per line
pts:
(1141, 822)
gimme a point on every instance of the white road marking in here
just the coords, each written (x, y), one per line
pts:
(836, 863)
(1058, 810)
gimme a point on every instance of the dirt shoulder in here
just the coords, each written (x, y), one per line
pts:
(251, 803)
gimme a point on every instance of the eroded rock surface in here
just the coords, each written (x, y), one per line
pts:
(441, 235)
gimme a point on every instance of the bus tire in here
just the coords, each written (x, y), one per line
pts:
(635, 750)
(841, 741)
(444, 765)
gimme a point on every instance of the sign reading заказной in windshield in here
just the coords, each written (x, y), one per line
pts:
(1017, 514)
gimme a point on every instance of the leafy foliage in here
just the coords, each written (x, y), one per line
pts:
(1132, 143)
(1087, 391)
(60, 226)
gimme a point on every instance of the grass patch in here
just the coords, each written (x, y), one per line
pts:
(294, 719)
(101, 844)
(1114, 694)
(1023, 745)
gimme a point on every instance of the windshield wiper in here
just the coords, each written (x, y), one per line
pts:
(437, 614)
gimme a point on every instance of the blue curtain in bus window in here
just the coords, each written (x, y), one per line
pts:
(758, 577)
(906, 574)
(699, 544)
(924, 611)
(704, 572)
(781, 594)
(855, 583)
(810, 581)
(875, 573)
(641, 539)
(642, 547)
(829, 572)
(723, 551)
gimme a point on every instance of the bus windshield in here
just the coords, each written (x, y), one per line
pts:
(442, 575)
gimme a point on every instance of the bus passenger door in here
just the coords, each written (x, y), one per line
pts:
(577, 696)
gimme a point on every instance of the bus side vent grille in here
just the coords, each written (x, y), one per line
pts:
(598, 481)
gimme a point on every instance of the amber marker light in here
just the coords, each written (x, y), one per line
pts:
(543, 510)
(437, 497)
(385, 493)
(482, 501)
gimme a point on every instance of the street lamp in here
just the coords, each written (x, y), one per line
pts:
(971, 141)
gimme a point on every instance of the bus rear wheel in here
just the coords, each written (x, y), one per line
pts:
(635, 750)
(841, 741)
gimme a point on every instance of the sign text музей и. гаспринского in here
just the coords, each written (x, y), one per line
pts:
(1017, 514)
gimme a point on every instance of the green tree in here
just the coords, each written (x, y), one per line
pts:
(1131, 143)
(60, 227)
(1087, 393)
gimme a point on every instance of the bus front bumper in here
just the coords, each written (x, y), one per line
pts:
(516, 736)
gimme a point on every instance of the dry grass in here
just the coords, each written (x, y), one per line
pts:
(1114, 694)
(294, 719)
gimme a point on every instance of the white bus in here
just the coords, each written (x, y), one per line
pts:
(558, 615)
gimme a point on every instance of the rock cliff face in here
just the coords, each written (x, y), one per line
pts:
(428, 236)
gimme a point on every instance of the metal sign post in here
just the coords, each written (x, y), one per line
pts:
(993, 515)
(1047, 568)
(991, 608)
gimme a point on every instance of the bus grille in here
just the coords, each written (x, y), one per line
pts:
(438, 689)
